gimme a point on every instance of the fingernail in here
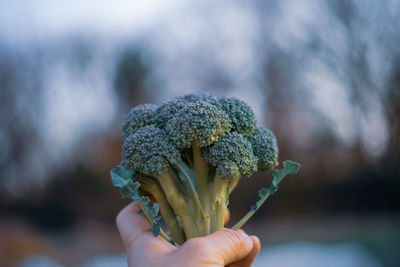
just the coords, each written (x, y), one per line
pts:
(247, 240)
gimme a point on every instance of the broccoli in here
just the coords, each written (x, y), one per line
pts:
(188, 154)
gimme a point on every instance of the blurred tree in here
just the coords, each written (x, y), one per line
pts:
(20, 110)
(130, 77)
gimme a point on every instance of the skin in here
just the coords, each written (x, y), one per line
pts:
(224, 247)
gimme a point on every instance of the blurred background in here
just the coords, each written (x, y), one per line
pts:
(324, 76)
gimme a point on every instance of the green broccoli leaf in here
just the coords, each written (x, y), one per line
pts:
(262, 192)
(289, 167)
(122, 177)
(154, 211)
(156, 229)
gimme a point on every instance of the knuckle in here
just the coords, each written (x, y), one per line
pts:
(196, 244)
(233, 236)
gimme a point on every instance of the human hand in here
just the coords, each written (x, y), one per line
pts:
(224, 247)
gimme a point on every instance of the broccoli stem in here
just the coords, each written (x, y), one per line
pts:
(219, 197)
(213, 192)
(200, 169)
(190, 181)
(203, 218)
(232, 185)
(184, 206)
(150, 186)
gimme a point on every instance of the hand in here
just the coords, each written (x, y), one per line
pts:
(224, 247)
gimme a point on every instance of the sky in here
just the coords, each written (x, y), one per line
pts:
(37, 19)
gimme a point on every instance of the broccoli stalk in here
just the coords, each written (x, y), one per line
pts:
(201, 171)
(189, 154)
(184, 204)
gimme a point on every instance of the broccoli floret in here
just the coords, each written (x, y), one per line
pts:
(149, 151)
(167, 111)
(198, 123)
(264, 148)
(241, 115)
(234, 148)
(137, 118)
(189, 154)
(204, 98)
(228, 170)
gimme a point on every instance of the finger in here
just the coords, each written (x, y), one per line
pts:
(131, 224)
(256, 249)
(249, 259)
(227, 216)
(221, 247)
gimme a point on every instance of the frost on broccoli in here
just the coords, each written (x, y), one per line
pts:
(188, 154)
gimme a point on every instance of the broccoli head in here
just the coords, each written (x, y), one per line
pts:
(188, 154)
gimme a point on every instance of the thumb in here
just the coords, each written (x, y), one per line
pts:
(222, 247)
